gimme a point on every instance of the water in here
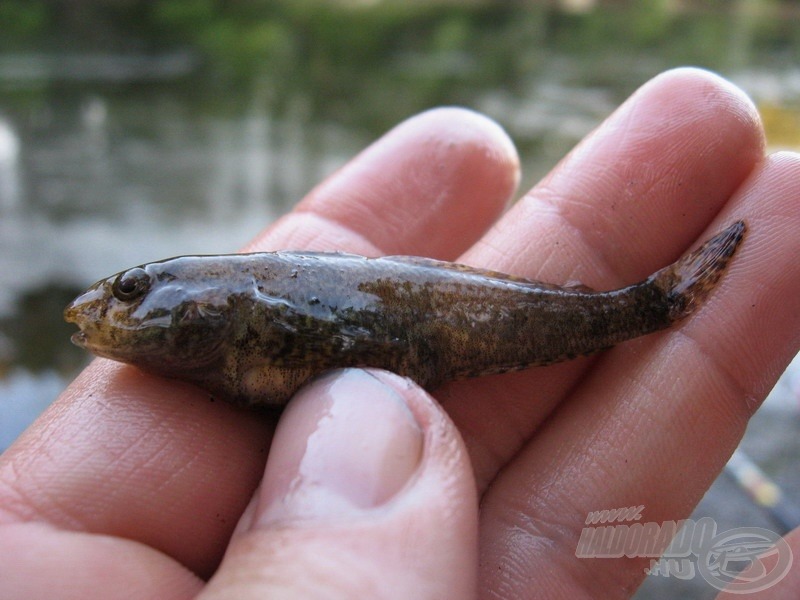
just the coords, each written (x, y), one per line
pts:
(164, 137)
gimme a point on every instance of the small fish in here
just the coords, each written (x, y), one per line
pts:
(252, 328)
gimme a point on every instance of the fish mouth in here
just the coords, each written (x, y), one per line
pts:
(80, 339)
(83, 339)
(92, 342)
(72, 314)
(76, 312)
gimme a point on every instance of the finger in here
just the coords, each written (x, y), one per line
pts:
(128, 454)
(368, 493)
(37, 561)
(430, 188)
(628, 200)
(654, 423)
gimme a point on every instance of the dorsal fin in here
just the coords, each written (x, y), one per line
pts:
(441, 264)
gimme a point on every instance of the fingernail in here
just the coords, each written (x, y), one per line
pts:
(347, 443)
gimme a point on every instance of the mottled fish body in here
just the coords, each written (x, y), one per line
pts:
(254, 327)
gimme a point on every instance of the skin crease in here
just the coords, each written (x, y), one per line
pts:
(138, 482)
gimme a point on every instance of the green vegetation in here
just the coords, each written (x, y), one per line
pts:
(22, 22)
(395, 57)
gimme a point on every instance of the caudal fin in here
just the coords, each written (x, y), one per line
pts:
(688, 282)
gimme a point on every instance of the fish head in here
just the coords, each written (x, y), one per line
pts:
(170, 316)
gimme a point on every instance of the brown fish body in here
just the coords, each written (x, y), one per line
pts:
(254, 327)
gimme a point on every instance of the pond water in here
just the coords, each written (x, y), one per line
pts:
(182, 134)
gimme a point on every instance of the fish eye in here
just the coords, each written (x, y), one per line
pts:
(131, 284)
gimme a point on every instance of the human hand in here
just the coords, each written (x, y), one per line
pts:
(132, 486)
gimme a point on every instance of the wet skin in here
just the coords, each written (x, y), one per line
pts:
(252, 328)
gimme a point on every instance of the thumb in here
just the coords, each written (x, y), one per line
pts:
(368, 493)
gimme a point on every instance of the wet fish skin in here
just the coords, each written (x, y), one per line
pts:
(252, 328)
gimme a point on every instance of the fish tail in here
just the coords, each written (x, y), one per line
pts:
(687, 282)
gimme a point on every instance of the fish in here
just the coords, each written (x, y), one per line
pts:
(253, 328)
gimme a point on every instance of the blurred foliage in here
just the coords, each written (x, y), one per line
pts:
(396, 56)
(22, 21)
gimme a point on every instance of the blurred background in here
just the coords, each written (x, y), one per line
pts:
(131, 131)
